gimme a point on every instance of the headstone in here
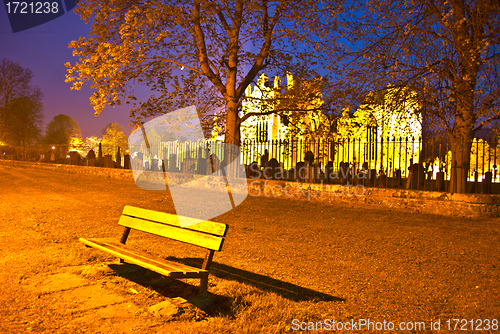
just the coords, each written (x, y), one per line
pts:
(108, 161)
(304, 172)
(188, 165)
(264, 159)
(318, 173)
(439, 181)
(416, 177)
(253, 170)
(383, 180)
(300, 171)
(397, 175)
(137, 162)
(372, 177)
(172, 163)
(126, 161)
(486, 189)
(100, 159)
(309, 158)
(75, 158)
(154, 164)
(118, 159)
(344, 172)
(329, 175)
(90, 159)
(274, 169)
(201, 165)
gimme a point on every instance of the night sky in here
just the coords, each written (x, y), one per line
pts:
(44, 50)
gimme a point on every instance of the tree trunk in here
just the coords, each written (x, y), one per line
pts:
(461, 140)
(232, 124)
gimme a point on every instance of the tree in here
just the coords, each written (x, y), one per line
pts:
(113, 138)
(22, 121)
(15, 84)
(447, 52)
(62, 130)
(198, 52)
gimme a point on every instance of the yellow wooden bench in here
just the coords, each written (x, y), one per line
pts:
(205, 234)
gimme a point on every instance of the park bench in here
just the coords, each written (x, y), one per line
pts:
(205, 234)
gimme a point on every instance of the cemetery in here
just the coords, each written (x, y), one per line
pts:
(321, 171)
(322, 261)
(289, 167)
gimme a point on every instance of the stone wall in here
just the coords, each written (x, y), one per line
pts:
(469, 205)
(125, 174)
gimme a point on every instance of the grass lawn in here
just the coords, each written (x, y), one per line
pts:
(282, 260)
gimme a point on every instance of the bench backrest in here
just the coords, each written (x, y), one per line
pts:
(202, 233)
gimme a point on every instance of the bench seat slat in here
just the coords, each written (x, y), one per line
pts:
(143, 259)
(170, 219)
(171, 232)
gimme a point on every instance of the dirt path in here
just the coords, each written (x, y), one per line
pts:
(384, 264)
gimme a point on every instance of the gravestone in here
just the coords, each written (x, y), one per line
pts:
(304, 172)
(108, 161)
(397, 174)
(273, 169)
(100, 159)
(439, 181)
(416, 177)
(154, 164)
(126, 161)
(309, 158)
(201, 165)
(172, 163)
(383, 180)
(264, 159)
(118, 159)
(74, 158)
(318, 173)
(300, 171)
(90, 160)
(188, 165)
(137, 161)
(253, 171)
(486, 183)
(344, 172)
(329, 175)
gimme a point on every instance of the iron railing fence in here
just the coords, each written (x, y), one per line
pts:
(390, 162)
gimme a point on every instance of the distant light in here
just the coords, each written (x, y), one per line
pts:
(53, 147)
(67, 156)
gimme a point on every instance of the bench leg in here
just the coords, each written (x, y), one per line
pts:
(204, 285)
(123, 240)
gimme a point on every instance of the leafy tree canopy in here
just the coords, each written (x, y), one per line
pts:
(445, 51)
(22, 121)
(197, 52)
(17, 92)
(62, 130)
(113, 138)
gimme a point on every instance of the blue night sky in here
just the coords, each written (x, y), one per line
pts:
(44, 50)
